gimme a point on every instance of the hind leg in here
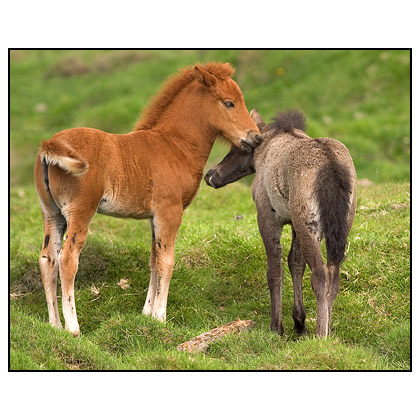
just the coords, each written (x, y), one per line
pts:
(78, 226)
(320, 286)
(309, 239)
(320, 283)
(54, 227)
(334, 286)
(334, 267)
(270, 230)
(297, 264)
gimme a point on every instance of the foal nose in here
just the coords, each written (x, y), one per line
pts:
(208, 178)
(253, 139)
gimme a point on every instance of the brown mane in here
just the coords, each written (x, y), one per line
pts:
(172, 87)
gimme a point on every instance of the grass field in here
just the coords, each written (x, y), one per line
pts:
(360, 97)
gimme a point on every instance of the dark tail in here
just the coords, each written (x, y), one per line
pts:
(333, 196)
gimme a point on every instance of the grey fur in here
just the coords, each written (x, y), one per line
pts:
(311, 184)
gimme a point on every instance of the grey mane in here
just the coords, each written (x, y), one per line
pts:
(288, 121)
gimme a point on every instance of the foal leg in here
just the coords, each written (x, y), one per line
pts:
(69, 262)
(309, 240)
(166, 223)
(297, 264)
(334, 267)
(270, 230)
(334, 286)
(319, 281)
(54, 227)
(151, 293)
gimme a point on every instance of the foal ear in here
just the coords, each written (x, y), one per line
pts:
(257, 118)
(204, 77)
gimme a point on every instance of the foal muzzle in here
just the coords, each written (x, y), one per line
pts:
(252, 140)
(211, 179)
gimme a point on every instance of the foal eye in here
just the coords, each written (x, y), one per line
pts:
(228, 104)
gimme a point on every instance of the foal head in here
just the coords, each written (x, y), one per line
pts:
(236, 164)
(224, 106)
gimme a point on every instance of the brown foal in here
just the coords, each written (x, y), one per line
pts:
(151, 173)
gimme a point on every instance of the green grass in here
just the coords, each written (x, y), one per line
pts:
(219, 276)
(359, 97)
(362, 98)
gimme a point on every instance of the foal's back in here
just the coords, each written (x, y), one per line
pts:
(291, 167)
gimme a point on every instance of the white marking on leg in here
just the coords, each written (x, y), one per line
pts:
(159, 309)
(326, 324)
(162, 287)
(150, 299)
(69, 312)
(49, 272)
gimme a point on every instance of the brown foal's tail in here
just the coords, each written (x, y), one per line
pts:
(64, 157)
(333, 196)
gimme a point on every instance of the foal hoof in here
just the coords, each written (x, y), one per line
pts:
(277, 328)
(74, 331)
(56, 324)
(300, 330)
(160, 317)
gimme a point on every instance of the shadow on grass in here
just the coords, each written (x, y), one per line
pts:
(100, 261)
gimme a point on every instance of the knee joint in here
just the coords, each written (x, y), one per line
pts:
(45, 261)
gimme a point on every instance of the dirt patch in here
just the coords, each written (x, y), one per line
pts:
(91, 266)
(16, 55)
(398, 206)
(70, 360)
(73, 65)
(29, 282)
(67, 67)
(364, 182)
(196, 258)
(119, 59)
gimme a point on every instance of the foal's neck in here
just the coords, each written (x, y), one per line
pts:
(260, 152)
(186, 126)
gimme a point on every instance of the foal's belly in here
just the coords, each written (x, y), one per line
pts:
(117, 208)
(281, 206)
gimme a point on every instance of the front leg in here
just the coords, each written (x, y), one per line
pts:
(166, 222)
(270, 230)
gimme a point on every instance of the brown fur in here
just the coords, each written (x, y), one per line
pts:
(153, 172)
(311, 184)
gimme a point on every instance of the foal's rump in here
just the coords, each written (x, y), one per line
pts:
(64, 156)
(336, 186)
(67, 165)
(330, 206)
(73, 150)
